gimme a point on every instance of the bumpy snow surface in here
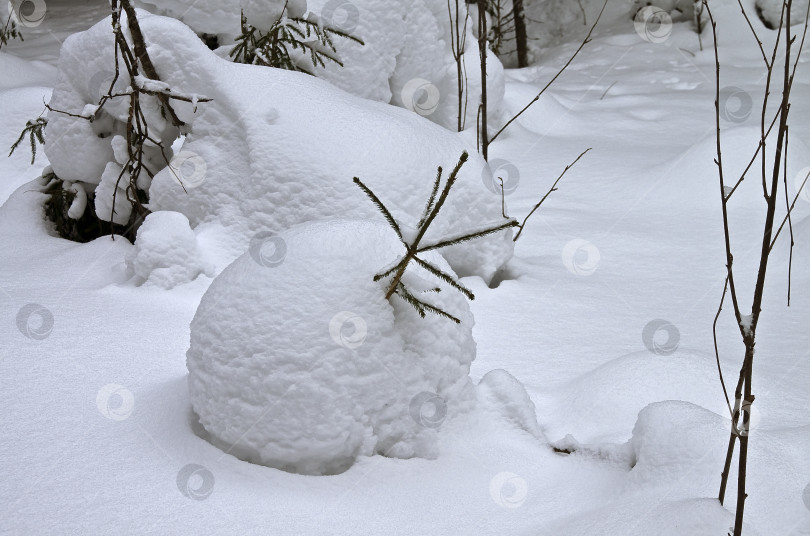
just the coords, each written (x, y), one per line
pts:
(298, 361)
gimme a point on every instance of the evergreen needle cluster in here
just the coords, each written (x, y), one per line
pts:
(272, 48)
(413, 248)
(35, 131)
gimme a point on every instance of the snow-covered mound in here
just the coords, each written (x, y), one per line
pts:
(502, 394)
(596, 399)
(297, 360)
(166, 252)
(273, 149)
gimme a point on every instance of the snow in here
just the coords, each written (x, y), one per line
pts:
(502, 392)
(166, 251)
(770, 12)
(366, 68)
(218, 17)
(263, 14)
(355, 385)
(99, 433)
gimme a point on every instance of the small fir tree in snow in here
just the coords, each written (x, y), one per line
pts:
(273, 47)
(413, 244)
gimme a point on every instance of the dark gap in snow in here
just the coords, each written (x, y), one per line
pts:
(504, 273)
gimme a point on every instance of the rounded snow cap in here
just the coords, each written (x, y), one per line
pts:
(297, 361)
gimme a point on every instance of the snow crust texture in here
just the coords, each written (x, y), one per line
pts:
(306, 370)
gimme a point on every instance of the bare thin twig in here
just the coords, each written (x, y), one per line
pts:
(552, 189)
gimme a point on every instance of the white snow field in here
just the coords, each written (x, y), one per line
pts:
(595, 336)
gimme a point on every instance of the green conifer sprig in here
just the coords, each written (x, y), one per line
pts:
(35, 132)
(382, 208)
(423, 307)
(272, 48)
(432, 199)
(413, 248)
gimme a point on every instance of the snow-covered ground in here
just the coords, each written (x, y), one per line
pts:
(98, 432)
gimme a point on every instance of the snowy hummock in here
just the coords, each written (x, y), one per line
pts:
(166, 251)
(297, 360)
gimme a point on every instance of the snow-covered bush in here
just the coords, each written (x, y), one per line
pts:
(289, 158)
(272, 149)
(306, 370)
(114, 128)
(405, 59)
